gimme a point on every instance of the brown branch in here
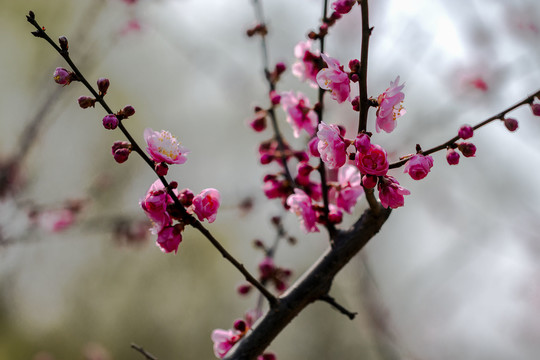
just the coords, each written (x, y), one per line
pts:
(188, 218)
(313, 285)
(362, 83)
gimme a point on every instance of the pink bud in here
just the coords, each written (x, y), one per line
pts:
(511, 124)
(259, 122)
(86, 102)
(467, 149)
(275, 98)
(103, 85)
(280, 68)
(362, 143)
(369, 181)
(243, 289)
(452, 157)
(267, 159)
(62, 76)
(356, 103)
(110, 121)
(535, 109)
(354, 65)
(465, 132)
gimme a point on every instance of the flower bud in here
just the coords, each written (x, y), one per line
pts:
(465, 132)
(62, 76)
(535, 109)
(354, 65)
(240, 325)
(259, 122)
(110, 121)
(275, 98)
(243, 289)
(86, 102)
(161, 169)
(121, 155)
(362, 142)
(467, 149)
(452, 157)
(356, 103)
(280, 68)
(62, 40)
(186, 197)
(369, 181)
(511, 124)
(103, 85)
(267, 159)
(128, 111)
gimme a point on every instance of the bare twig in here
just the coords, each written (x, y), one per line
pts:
(146, 354)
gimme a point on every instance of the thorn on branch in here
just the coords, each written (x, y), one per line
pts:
(330, 300)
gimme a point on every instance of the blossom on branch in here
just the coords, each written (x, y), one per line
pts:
(155, 204)
(332, 147)
(163, 147)
(206, 204)
(391, 193)
(224, 340)
(390, 107)
(335, 79)
(300, 204)
(418, 166)
(350, 187)
(343, 6)
(299, 113)
(169, 238)
(373, 162)
(308, 64)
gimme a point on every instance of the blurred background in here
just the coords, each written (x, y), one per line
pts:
(453, 274)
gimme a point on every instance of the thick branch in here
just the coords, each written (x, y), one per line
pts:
(313, 285)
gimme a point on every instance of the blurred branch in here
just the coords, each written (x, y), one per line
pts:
(313, 285)
(146, 354)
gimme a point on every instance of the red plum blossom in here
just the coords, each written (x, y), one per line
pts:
(206, 204)
(466, 132)
(418, 166)
(391, 193)
(350, 187)
(452, 157)
(169, 238)
(307, 66)
(373, 162)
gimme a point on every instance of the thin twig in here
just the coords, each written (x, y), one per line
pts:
(146, 354)
(330, 300)
(188, 218)
(499, 116)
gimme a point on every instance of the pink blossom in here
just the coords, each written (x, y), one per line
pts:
(333, 78)
(372, 162)
(349, 180)
(163, 147)
(390, 107)
(313, 147)
(362, 142)
(155, 206)
(465, 132)
(299, 114)
(452, 157)
(56, 220)
(206, 204)
(418, 166)
(169, 238)
(307, 66)
(331, 146)
(343, 6)
(224, 340)
(391, 193)
(300, 204)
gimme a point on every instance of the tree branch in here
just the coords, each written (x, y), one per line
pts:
(313, 285)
